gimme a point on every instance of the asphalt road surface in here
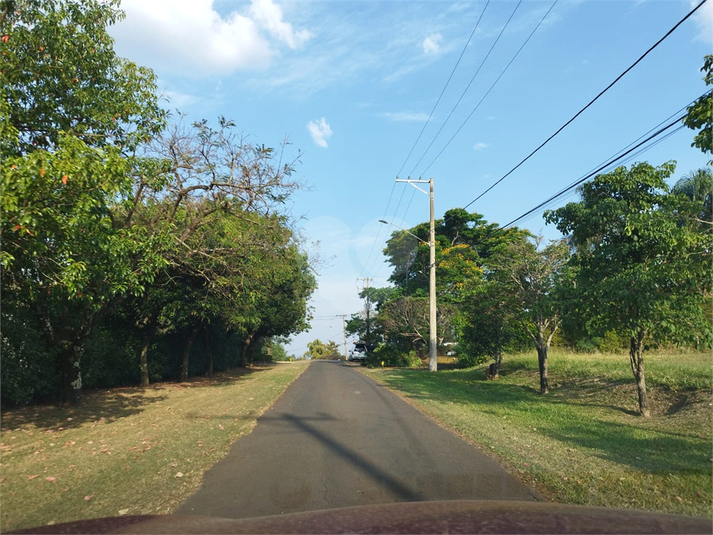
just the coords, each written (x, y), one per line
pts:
(336, 438)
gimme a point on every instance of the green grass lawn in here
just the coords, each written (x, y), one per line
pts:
(127, 450)
(583, 443)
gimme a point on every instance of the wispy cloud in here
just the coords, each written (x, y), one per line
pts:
(176, 99)
(320, 132)
(406, 116)
(480, 145)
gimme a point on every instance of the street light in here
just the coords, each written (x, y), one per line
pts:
(403, 229)
(432, 345)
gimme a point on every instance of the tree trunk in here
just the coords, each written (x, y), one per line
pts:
(187, 354)
(143, 357)
(636, 359)
(70, 337)
(244, 351)
(206, 340)
(542, 362)
(70, 374)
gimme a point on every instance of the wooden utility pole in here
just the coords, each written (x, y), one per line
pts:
(432, 338)
(368, 310)
(344, 328)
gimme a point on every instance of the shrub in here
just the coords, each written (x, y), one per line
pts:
(392, 357)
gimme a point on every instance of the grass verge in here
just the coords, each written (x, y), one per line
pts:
(127, 450)
(584, 443)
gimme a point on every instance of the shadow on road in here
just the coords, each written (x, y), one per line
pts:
(351, 456)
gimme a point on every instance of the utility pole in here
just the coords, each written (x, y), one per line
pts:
(368, 310)
(432, 342)
(344, 328)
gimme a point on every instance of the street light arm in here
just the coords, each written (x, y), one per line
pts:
(403, 229)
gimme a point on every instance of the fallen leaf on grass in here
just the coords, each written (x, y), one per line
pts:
(122, 512)
(51, 479)
(88, 497)
(179, 474)
(220, 426)
(32, 477)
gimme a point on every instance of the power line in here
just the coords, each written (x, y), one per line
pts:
(589, 104)
(598, 170)
(466, 88)
(445, 86)
(491, 88)
(635, 154)
(430, 116)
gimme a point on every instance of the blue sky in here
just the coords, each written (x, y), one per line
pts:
(352, 84)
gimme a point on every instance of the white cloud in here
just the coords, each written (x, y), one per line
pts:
(269, 16)
(191, 37)
(480, 145)
(432, 44)
(406, 116)
(704, 19)
(320, 132)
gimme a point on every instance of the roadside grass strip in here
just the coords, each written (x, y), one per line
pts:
(127, 451)
(584, 443)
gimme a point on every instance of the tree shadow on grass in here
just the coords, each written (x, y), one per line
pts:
(659, 452)
(96, 407)
(649, 450)
(108, 405)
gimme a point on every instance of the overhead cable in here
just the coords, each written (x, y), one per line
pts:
(491, 88)
(590, 103)
(444, 87)
(599, 169)
(466, 88)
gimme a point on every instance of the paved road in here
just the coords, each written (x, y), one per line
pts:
(335, 439)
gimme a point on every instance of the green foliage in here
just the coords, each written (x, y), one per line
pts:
(106, 214)
(392, 357)
(642, 261)
(277, 352)
(28, 364)
(700, 113)
(317, 350)
(61, 76)
(638, 266)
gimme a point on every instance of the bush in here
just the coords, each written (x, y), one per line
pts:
(613, 342)
(469, 360)
(392, 357)
(28, 365)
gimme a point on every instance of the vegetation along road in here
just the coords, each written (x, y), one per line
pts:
(335, 439)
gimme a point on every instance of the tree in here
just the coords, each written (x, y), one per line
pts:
(370, 331)
(406, 321)
(70, 116)
(61, 76)
(700, 113)
(528, 278)
(60, 249)
(640, 267)
(698, 187)
(487, 319)
(318, 350)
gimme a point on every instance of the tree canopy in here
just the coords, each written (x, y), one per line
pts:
(640, 268)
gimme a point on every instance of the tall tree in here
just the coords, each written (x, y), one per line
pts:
(640, 268)
(71, 114)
